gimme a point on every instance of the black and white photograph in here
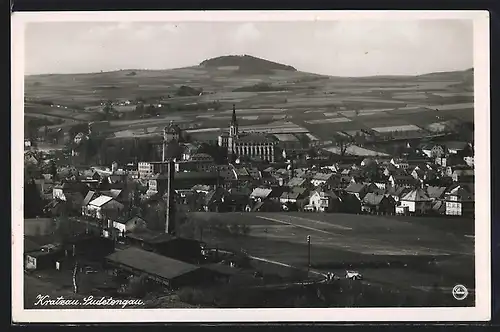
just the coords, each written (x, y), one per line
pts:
(229, 164)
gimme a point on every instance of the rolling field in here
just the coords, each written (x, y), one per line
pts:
(316, 104)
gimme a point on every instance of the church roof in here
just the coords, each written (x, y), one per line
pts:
(254, 138)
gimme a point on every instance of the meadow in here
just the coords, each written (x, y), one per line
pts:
(404, 252)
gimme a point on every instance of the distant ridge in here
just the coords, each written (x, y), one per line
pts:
(246, 64)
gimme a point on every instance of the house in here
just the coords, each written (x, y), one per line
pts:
(450, 169)
(348, 203)
(202, 188)
(260, 194)
(263, 206)
(103, 207)
(215, 200)
(419, 173)
(332, 168)
(435, 193)
(319, 179)
(357, 189)
(89, 176)
(117, 178)
(292, 196)
(368, 162)
(437, 151)
(402, 181)
(375, 203)
(396, 192)
(469, 160)
(463, 176)
(455, 147)
(125, 225)
(297, 182)
(322, 201)
(118, 194)
(438, 207)
(91, 195)
(200, 162)
(400, 163)
(45, 187)
(43, 259)
(254, 173)
(226, 172)
(62, 190)
(237, 200)
(460, 201)
(186, 180)
(187, 250)
(417, 201)
(427, 150)
(449, 160)
(389, 170)
(146, 169)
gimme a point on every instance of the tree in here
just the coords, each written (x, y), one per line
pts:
(343, 143)
(33, 203)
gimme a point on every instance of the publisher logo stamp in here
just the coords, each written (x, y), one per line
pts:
(460, 292)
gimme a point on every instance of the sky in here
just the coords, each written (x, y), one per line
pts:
(338, 48)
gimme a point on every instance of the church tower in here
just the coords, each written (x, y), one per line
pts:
(233, 134)
(233, 126)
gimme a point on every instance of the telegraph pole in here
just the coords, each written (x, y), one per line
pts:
(308, 253)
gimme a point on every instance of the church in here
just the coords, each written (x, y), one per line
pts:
(252, 145)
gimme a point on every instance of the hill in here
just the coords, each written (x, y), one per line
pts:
(462, 75)
(246, 64)
(201, 97)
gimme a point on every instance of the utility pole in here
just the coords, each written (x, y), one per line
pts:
(308, 253)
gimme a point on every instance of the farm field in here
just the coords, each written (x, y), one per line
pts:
(309, 103)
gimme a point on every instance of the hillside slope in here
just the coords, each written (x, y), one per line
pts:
(246, 64)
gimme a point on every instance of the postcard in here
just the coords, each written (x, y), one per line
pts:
(246, 166)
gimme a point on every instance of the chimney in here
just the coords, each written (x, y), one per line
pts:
(170, 213)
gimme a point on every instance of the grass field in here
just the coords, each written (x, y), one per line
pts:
(388, 250)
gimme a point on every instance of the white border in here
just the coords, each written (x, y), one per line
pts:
(482, 310)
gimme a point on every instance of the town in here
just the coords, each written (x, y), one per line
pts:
(182, 221)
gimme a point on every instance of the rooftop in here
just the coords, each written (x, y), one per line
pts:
(355, 187)
(416, 195)
(286, 137)
(101, 200)
(151, 263)
(261, 192)
(373, 199)
(254, 138)
(150, 236)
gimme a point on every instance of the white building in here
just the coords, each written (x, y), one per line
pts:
(102, 207)
(417, 201)
(321, 201)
